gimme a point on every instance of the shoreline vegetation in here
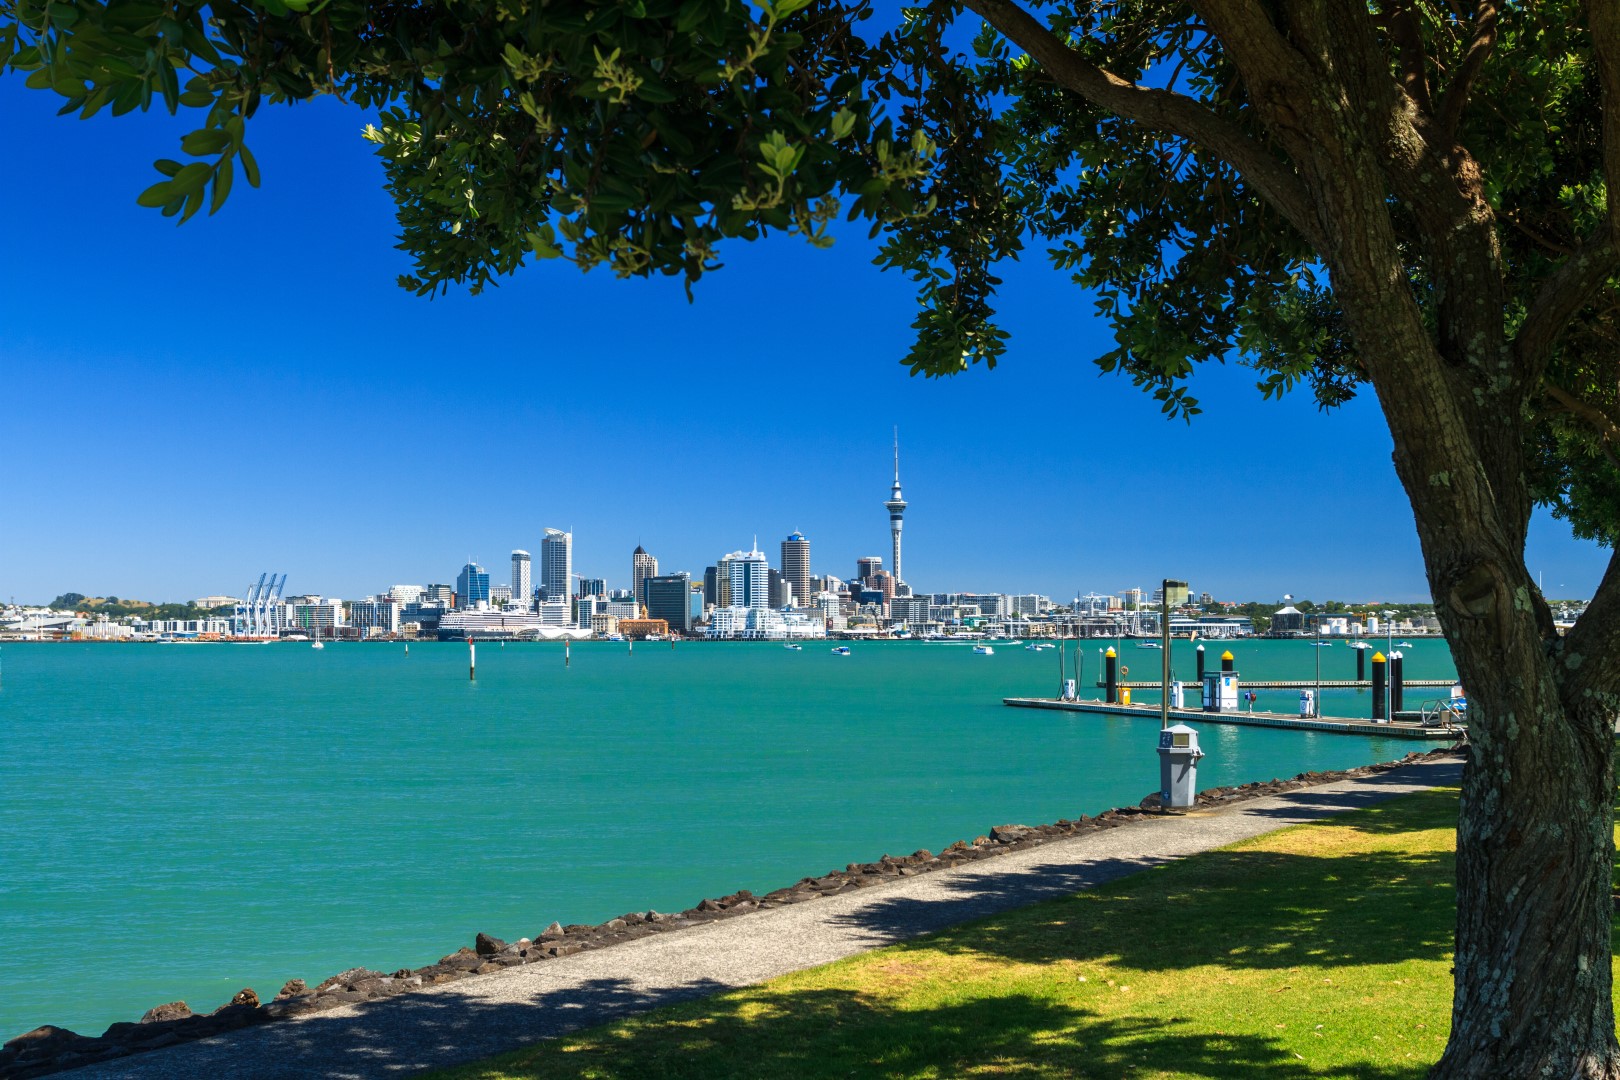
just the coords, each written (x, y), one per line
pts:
(50, 1049)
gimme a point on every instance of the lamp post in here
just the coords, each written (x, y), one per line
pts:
(1389, 647)
(1164, 647)
(1316, 702)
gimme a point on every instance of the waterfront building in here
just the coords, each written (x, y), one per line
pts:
(604, 624)
(1029, 604)
(643, 628)
(781, 590)
(910, 611)
(749, 578)
(556, 564)
(370, 618)
(796, 566)
(738, 623)
(669, 599)
(472, 586)
(1290, 620)
(584, 610)
(521, 586)
(500, 595)
(555, 612)
(593, 586)
(623, 607)
(993, 605)
(865, 568)
(445, 594)
(896, 506)
(1133, 599)
(642, 567)
(320, 617)
(422, 614)
(405, 594)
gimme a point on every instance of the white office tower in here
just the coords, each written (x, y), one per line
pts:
(520, 576)
(556, 564)
(750, 575)
(897, 509)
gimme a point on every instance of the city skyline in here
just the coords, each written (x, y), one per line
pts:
(176, 464)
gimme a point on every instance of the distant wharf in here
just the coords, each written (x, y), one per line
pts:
(1398, 729)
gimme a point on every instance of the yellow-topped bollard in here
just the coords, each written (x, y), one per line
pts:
(1380, 671)
(1226, 660)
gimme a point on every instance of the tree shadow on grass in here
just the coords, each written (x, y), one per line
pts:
(1241, 909)
(838, 1033)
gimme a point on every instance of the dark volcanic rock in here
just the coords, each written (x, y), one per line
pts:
(345, 979)
(174, 1010)
(552, 932)
(485, 945)
(293, 988)
(1007, 834)
(246, 997)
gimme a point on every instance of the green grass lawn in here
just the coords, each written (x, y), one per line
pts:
(1320, 950)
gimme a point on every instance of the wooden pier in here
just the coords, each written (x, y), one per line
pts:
(1336, 724)
(1286, 684)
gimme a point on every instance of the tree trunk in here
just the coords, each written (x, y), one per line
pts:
(1535, 850)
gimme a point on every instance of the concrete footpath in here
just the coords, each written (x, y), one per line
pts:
(473, 1018)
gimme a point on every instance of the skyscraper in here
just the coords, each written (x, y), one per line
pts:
(897, 509)
(796, 567)
(642, 567)
(472, 585)
(520, 576)
(867, 567)
(750, 574)
(669, 597)
(556, 563)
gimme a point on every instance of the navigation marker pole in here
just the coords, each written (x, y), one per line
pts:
(567, 659)
(472, 660)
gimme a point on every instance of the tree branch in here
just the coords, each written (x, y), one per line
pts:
(1600, 421)
(1603, 16)
(1448, 114)
(1574, 284)
(1403, 29)
(1159, 110)
(1591, 649)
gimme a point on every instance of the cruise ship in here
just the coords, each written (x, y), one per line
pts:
(495, 625)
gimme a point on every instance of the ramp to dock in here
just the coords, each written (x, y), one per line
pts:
(1337, 724)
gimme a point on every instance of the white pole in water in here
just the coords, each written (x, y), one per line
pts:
(407, 648)
(472, 659)
(567, 659)
(632, 642)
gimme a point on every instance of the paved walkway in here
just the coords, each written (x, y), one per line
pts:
(473, 1018)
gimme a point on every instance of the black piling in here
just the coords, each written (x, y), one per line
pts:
(1200, 665)
(1361, 665)
(1379, 666)
(1397, 679)
(1110, 676)
(1227, 661)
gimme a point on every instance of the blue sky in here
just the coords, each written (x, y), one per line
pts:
(187, 407)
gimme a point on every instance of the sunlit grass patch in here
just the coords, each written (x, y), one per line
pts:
(1319, 950)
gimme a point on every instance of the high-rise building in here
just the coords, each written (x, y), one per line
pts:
(556, 564)
(472, 586)
(866, 568)
(711, 586)
(781, 590)
(520, 576)
(439, 593)
(796, 566)
(896, 507)
(642, 567)
(593, 586)
(669, 598)
(750, 578)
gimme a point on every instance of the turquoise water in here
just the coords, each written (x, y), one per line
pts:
(193, 819)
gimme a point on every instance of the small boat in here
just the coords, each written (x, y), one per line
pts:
(1039, 646)
(1403, 644)
(795, 648)
(317, 645)
(1360, 645)
(841, 650)
(984, 650)
(1323, 644)
(1149, 645)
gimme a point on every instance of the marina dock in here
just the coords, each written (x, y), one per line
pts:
(1290, 684)
(1338, 725)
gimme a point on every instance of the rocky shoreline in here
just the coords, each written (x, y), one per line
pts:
(51, 1049)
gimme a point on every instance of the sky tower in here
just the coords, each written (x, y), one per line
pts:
(897, 509)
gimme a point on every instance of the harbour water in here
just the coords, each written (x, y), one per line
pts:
(178, 822)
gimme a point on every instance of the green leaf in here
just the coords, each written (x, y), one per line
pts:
(191, 178)
(250, 167)
(204, 142)
(157, 195)
(222, 186)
